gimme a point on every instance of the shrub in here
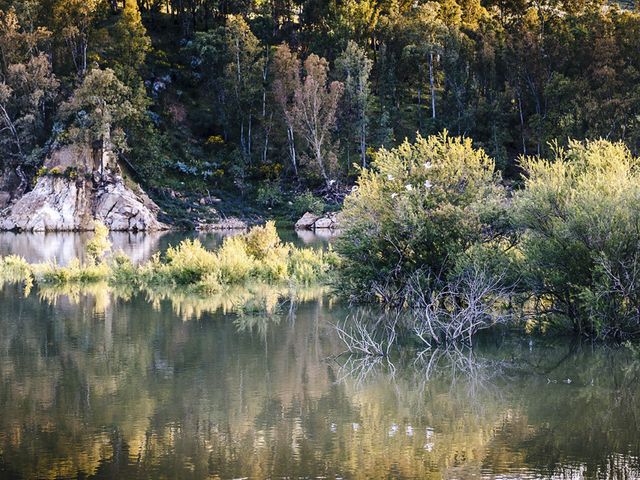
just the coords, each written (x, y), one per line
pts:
(269, 194)
(579, 215)
(419, 207)
(307, 265)
(15, 269)
(256, 258)
(99, 244)
(235, 264)
(307, 202)
(260, 240)
(189, 262)
(123, 272)
(75, 272)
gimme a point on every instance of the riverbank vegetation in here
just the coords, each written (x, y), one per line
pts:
(431, 227)
(257, 103)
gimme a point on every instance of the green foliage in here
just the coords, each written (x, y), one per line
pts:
(307, 202)
(579, 217)
(257, 255)
(269, 194)
(99, 108)
(420, 207)
(355, 68)
(28, 88)
(15, 269)
(74, 272)
(511, 77)
(130, 43)
(100, 244)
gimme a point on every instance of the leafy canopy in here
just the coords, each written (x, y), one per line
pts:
(419, 207)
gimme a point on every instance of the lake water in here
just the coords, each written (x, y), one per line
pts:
(125, 386)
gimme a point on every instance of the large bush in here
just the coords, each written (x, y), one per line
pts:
(580, 218)
(419, 208)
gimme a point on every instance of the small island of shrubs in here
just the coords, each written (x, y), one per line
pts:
(258, 256)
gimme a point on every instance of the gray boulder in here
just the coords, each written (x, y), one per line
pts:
(306, 222)
(309, 221)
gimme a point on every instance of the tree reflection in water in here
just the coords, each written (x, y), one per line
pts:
(109, 384)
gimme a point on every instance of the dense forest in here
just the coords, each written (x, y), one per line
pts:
(270, 99)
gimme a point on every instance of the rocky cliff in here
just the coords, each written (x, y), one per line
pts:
(77, 185)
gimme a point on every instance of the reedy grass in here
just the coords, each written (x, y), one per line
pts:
(257, 257)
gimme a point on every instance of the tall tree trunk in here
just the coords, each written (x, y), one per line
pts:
(292, 149)
(267, 132)
(249, 139)
(432, 86)
(420, 103)
(524, 143)
(12, 128)
(363, 123)
(363, 144)
(320, 162)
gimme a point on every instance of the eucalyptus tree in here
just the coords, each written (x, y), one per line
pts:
(316, 103)
(74, 22)
(286, 74)
(354, 67)
(98, 111)
(424, 35)
(28, 89)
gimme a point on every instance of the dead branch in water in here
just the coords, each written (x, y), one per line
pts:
(365, 336)
(471, 302)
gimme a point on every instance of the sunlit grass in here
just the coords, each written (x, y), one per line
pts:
(251, 272)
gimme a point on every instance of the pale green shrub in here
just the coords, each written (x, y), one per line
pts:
(306, 264)
(261, 240)
(189, 262)
(235, 263)
(274, 265)
(579, 215)
(14, 267)
(99, 245)
(75, 272)
(123, 270)
(258, 257)
(419, 208)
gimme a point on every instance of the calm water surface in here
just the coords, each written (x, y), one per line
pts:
(124, 386)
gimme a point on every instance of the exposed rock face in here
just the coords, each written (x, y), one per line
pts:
(71, 202)
(121, 209)
(330, 220)
(5, 198)
(54, 204)
(309, 221)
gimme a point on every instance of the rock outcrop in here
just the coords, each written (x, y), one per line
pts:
(310, 221)
(307, 221)
(79, 185)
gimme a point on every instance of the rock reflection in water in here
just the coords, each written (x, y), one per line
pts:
(105, 385)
